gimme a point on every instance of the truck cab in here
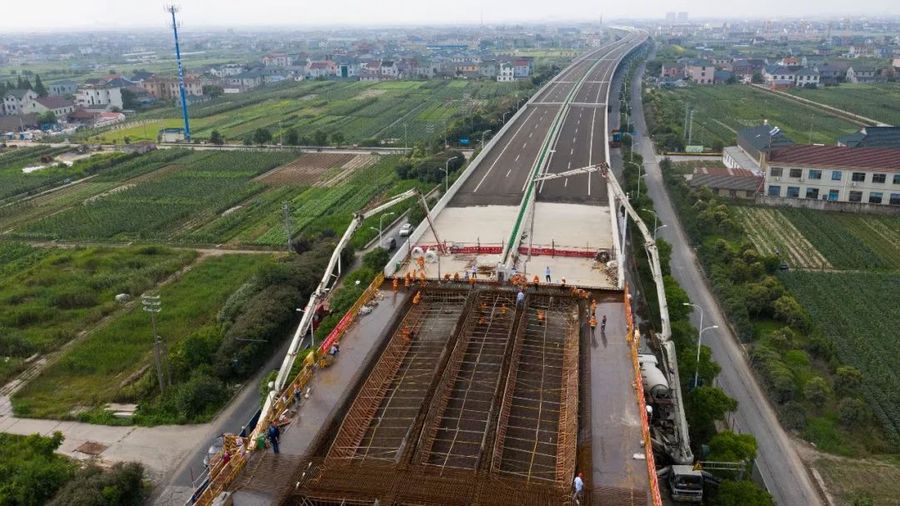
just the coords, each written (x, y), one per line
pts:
(686, 484)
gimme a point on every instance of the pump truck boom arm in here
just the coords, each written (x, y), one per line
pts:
(321, 292)
(681, 454)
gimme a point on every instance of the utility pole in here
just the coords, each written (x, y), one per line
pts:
(152, 305)
(286, 210)
(685, 127)
(690, 127)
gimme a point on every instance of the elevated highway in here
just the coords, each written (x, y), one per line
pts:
(468, 396)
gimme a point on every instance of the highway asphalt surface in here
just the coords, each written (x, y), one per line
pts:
(502, 176)
(784, 473)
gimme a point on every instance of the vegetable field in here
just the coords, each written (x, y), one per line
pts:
(168, 204)
(93, 371)
(391, 111)
(773, 234)
(50, 295)
(809, 239)
(719, 111)
(877, 101)
(858, 312)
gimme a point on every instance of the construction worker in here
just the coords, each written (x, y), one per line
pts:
(593, 324)
(456, 276)
(474, 272)
(395, 284)
(578, 488)
(520, 299)
(547, 274)
(417, 298)
(540, 315)
(563, 282)
(593, 306)
(407, 280)
(603, 324)
(536, 280)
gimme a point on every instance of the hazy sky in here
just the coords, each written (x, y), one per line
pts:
(112, 14)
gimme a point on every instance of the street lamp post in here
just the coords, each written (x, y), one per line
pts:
(447, 173)
(699, 341)
(380, 237)
(655, 227)
(482, 137)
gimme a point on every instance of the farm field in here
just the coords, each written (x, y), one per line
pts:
(877, 101)
(719, 111)
(809, 239)
(166, 197)
(857, 312)
(360, 111)
(48, 296)
(95, 369)
(852, 479)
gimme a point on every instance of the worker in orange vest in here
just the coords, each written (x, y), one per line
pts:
(418, 297)
(395, 284)
(593, 324)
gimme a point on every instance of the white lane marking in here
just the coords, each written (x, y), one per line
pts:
(517, 157)
(508, 143)
(530, 134)
(569, 165)
(524, 144)
(507, 172)
(573, 138)
(566, 183)
(571, 151)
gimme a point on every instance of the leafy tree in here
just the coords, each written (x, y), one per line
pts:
(129, 99)
(248, 140)
(262, 136)
(848, 381)
(47, 118)
(376, 259)
(742, 493)
(705, 406)
(852, 411)
(30, 471)
(123, 485)
(728, 446)
(320, 138)
(817, 390)
(788, 310)
(337, 138)
(292, 138)
(215, 137)
(212, 90)
(39, 87)
(676, 298)
(757, 78)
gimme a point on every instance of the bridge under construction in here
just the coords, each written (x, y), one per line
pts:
(498, 358)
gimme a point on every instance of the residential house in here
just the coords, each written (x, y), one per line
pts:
(832, 72)
(700, 71)
(778, 77)
(346, 68)
(834, 173)
(755, 142)
(389, 69)
(872, 137)
(670, 70)
(246, 80)
(505, 73)
(522, 67)
(162, 88)
(896, 65)
(862, 74)
(277, 60)
(99, 97)
(321, 69)
(227, 70)
(62, 88)
(14, 101)
(487, 69)
(728, 182)
(807, 78)
(747, 66)
(171, 135)
(82, 116)
(59, 106)
(18, 123)
(723, 77)
(107, 118)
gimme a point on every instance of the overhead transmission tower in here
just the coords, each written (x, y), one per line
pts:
(172, 9)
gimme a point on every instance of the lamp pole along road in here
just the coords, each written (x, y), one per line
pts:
(380, 236)
(447, 173)
(699, 341)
